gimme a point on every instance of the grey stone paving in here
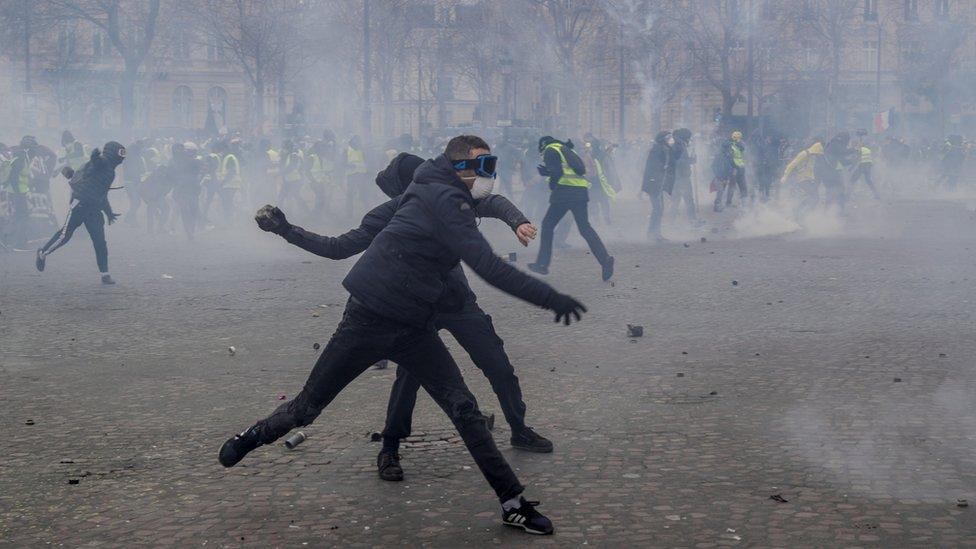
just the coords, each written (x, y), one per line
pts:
(782, 385)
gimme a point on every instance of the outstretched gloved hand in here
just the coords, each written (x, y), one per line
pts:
(564, 307)
(271, 219)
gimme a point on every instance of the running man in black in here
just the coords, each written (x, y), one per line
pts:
(89, 200)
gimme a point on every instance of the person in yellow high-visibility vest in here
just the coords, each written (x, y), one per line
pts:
(569, 193)
(292, 175)
(320, 165)
(862, 170)
(733, 152)
(358, 182)
(15, 181)
(231, 181)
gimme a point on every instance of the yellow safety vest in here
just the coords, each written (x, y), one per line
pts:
(296, 174)
(356, 161)
(235, 181)
(321, 168)
(274, 159)
(866, 156)
(22, 183)
(737, 158)
(604, 184)
(569, 178)
(74, 155)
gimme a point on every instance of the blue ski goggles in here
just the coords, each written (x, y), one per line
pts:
(483, 165)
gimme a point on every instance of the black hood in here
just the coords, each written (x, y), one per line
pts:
(67, 138)
(114, 153)
(398, 174)
(440, 170)
(662, 138)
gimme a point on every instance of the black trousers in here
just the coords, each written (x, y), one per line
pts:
(91, 217)
(554, 214)
(737, 179)
(863, 170)
(473, 329)
(21, 219)
(363, 338)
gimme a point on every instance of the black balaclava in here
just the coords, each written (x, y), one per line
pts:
(396, 177)
(114, 153)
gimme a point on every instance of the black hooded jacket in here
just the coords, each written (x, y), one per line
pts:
(405, 273)
(90, 184)
(659, 168)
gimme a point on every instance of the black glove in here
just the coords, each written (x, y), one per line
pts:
(543, 171)
(564, 307)
(67, 172)
(112, 216)
(271, 219)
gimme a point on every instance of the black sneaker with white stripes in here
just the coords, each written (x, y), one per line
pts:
(527, 518)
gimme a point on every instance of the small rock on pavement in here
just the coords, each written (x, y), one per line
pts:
(73, 481)
(316, 346)
(680, 374)
(713, 393)
(687, 245)
(735, 282)
(281, 397)
(962, 503)
(29, 422)
(232, 350)
(779, 498)
(704, 240)
(634, 330)
(897, 380)
(315, 315)
(942, 355)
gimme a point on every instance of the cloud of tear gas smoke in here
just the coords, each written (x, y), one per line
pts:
(888, 438)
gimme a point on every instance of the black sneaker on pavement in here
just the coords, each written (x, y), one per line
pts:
(530, 441)
(388, 466)
(536, 268)
(39, 260)
(608, 269)
(107, 280)
(527, 518)
(234, 450)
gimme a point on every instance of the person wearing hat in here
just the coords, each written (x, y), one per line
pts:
(733, 155)
(89, 201)
(569, 192)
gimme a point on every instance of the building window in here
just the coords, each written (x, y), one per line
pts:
(870, 10)
(870, 57)
(182, 107)
(911, 51)
(215, 49)
(66, 42)
(911, 10)
(182, 46)
(809, 54)
(217, 105)
(942, 8)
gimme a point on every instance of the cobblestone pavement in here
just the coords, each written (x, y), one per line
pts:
(788, 391)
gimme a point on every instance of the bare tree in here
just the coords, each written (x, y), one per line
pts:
(131, 28)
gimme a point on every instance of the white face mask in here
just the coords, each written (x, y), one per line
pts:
(482, 187)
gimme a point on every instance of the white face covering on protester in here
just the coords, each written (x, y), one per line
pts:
(482, 187)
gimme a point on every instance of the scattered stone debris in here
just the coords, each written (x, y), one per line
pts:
(962, 503)
(315, 315)
(713, 393)
(375, 437)
(167, 277)
(680, 374)
(735, 282)
(316, 346)
(897, 380)
(553, 369)
(73, 481)
(67, 461)
(779, 498)
(281, 397)
(29, 422)
(232, 350)
(704, 240)
(687, 245)
(942, 355)
(634, 330)
(684, 352)
(294, 440)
